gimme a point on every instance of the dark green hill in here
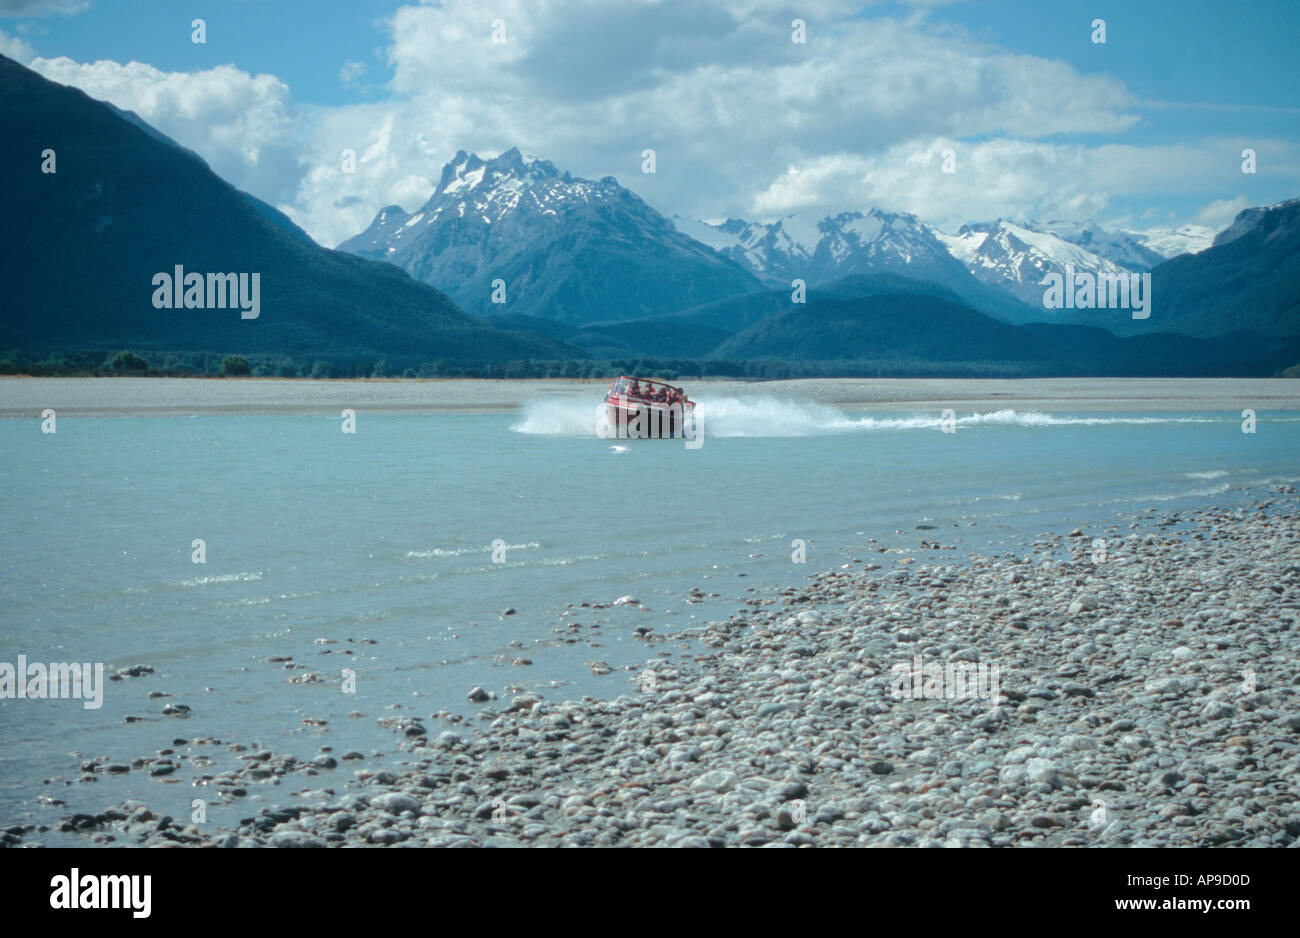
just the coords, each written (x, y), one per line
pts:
(82, 246)
(890, 326)
(932, 330)
(1249, 280)
(689, 332)
(654, 336)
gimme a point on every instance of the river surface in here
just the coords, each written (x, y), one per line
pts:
(395, 551)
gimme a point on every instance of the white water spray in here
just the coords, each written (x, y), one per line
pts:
(773, 417)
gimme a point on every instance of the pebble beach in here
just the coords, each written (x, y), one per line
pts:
(1144, 693)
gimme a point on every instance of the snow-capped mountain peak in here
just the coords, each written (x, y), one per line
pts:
(773, 251)
(1010, 255)
(565, 248)
(819, 251)
(815, 250)
(498, 218)
(484, 191)
(1115, 246)
(1016, 256)
(468, 171)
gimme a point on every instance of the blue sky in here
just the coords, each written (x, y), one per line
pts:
(1190, 51)
(304, 43)
(1145, 130)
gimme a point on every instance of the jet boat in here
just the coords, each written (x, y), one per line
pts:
(642, 408)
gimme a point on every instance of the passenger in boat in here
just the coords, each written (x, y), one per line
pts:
(634, 389)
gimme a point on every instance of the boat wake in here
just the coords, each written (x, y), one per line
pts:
(773, 417)
(561, 417)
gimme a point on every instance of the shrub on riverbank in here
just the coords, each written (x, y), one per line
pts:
(235, 366)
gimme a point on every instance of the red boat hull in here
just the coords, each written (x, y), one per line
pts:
(644, 420)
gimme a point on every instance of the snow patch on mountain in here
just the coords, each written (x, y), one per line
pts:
(965, 245)
(1171, 242)
(1115, 246)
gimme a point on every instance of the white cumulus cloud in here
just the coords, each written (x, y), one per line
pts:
(243, 125)
(17, 49)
